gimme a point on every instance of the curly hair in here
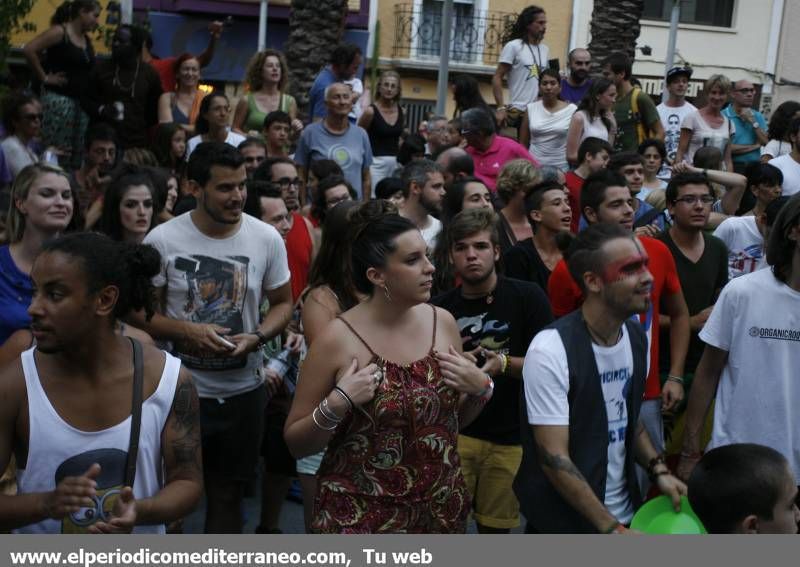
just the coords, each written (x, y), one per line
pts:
(516, 175)
(254, 74)
(780, 120)
(519, 28)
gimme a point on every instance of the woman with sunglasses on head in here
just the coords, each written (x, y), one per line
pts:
(390, 390)
(22, 119)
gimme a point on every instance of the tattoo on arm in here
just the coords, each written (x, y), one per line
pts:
(559, 463)
(185, 429)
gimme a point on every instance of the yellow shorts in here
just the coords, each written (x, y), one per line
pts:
(489, 469)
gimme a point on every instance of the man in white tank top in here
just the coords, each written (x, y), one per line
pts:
(65, 405)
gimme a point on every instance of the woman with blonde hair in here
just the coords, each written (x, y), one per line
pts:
(514, 182)
(384, 122)
(707, 126)
(265, 79)
(42, 206)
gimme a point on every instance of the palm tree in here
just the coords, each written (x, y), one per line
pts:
(614, 27)
(315, 28)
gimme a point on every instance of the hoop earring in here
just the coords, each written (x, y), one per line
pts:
(387, 293)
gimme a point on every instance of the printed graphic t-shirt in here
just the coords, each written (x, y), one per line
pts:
(745, 245)
(546, 382)
(757, 321)
(219, 281)
(526, 61)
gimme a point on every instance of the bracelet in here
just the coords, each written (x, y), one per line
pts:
(318, 424)
(487, 385)
(676, 379)
(654, 476)
(503, 363)
(328, 413)
(342, 393)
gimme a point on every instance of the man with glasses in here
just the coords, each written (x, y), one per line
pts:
(749, 126)
(751, 356)
(335, 138)
(438, 137)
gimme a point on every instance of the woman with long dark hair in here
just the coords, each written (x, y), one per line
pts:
(778, 130)
(64, 75)
(212, 123)
(388, 390)
(594, 118)
(130, 206)
(467, 94)
(546, 123)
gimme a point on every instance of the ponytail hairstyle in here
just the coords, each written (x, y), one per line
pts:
(71, 9)
(126, 266)
(375, 225)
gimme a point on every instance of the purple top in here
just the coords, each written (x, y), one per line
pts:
(574, 94)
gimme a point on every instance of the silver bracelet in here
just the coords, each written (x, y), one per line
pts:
(318, 424)
(328, 413)
(344, 396)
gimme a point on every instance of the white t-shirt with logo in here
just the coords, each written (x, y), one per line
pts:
(791, 173)
(703, 134)
(546, 383)
(671, 119)
(527, 61)
(745, 245)
(221, 281)
(757, 321)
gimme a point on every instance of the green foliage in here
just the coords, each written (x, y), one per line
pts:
(12, 12)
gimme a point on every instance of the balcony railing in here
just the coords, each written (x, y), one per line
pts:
(476, 37)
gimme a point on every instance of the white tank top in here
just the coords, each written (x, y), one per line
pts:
(593, 128)
(56, 449)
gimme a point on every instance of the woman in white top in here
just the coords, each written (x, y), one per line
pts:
(212, 123)
(22, 119)
(707, 126)
(546, 122)
(778, 131)
(594, 118)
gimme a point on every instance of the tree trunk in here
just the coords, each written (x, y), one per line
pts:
(614, 27)
(315, 28)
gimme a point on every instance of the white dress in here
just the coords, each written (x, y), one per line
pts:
(549, 133)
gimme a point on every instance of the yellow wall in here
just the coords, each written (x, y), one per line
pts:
(40, 16)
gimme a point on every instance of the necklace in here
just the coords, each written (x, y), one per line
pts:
(488, 296)
(117, 83)
(598, 338)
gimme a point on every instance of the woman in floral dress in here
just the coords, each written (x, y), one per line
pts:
(387, 388)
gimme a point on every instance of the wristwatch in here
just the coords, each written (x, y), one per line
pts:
(262, 338)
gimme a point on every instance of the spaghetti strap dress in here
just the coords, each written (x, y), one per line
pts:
(392, 465)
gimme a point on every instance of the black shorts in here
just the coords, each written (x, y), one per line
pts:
(231, 432)
(277, 458)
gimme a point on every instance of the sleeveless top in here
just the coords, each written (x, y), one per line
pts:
(299, 247)
(383, 137)
(392, 465)
(76, 62)
(255, 117)
(56, 450)
(593, 128)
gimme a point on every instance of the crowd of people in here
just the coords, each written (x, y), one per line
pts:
(494, 317)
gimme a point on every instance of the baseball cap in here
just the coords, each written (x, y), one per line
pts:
(677, 71)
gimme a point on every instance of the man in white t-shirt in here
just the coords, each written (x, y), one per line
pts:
(672, 112)
(789, 164)
(752, 355)
(217, 266)
(584, 380)
(524, 56)
(423, 189)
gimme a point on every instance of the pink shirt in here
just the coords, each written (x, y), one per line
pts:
(489, 163)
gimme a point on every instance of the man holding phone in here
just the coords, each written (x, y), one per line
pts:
(218, 265)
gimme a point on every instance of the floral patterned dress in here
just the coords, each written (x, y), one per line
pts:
(392, 465)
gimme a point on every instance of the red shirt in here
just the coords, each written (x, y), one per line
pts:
(489, 163)
(574, 184)
(299, 247)
(566, 297)
(166, 72)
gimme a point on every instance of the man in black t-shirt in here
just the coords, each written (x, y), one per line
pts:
(498, 317)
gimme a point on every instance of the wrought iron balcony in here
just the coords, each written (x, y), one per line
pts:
(476, 38)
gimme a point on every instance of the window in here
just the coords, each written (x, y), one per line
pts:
(701, 12)
(466, 34)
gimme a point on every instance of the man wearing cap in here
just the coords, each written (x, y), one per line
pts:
(673, 111)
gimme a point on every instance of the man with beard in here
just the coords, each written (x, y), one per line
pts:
(124, 90)
(423, 190)
(66, 404)
(246, 258)
(90, 181)
(497, 317)
(584, 379)
(672, 111)
(575, 85)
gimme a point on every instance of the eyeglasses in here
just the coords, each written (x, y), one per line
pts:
(33, 117)
(284, 182)
(692, 199)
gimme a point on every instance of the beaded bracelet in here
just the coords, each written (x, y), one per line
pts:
(503, 363)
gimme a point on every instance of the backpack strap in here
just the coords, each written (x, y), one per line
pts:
(136, 412)
(641, 133)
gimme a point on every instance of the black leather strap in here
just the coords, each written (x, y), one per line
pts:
(136, 412)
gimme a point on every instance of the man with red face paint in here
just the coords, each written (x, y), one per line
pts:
(584, 380)
(606, 198)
